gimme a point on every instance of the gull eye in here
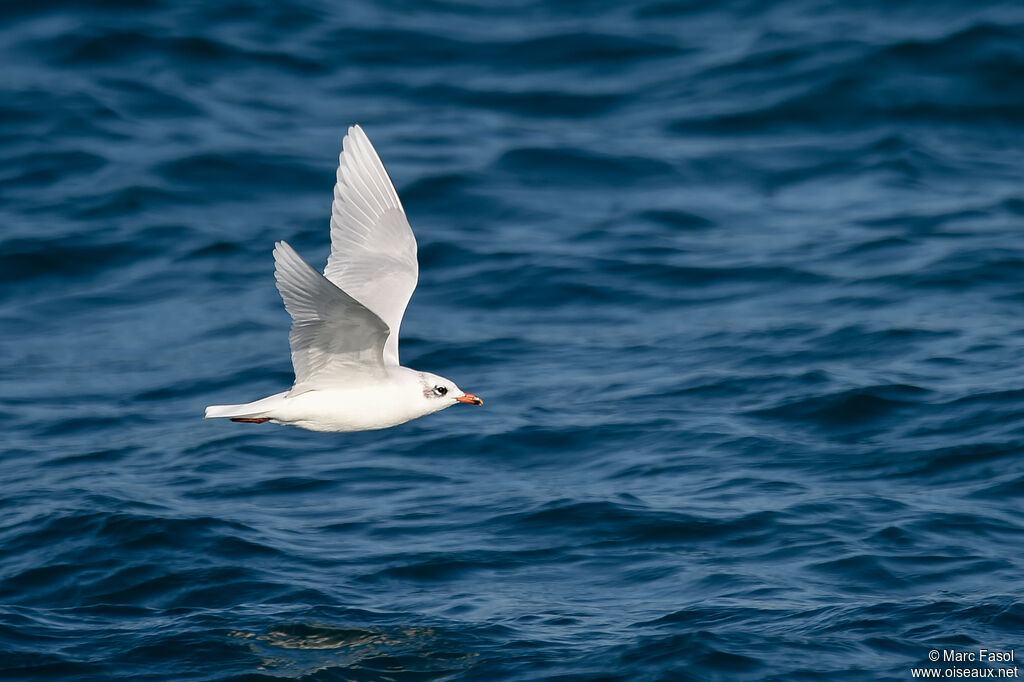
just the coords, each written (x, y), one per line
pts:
(440, 390)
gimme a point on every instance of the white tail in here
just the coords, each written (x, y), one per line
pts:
(213, 411)
(258, 408)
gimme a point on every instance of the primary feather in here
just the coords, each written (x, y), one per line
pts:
(373, 249)
(335, 339)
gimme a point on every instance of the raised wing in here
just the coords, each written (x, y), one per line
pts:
(335, 339)
(373, 250)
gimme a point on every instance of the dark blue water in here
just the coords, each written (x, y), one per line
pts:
(742, 285)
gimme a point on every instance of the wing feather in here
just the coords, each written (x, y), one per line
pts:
(335, 339)
(373, 249)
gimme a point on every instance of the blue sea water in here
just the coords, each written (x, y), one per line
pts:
(742, 285)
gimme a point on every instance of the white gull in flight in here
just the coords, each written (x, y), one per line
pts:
(345, 322)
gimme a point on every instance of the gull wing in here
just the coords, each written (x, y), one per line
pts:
(335, 339)
(373, 250)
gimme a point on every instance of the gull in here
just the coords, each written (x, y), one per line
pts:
(345, 322)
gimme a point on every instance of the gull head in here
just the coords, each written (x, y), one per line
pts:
(441, 393)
